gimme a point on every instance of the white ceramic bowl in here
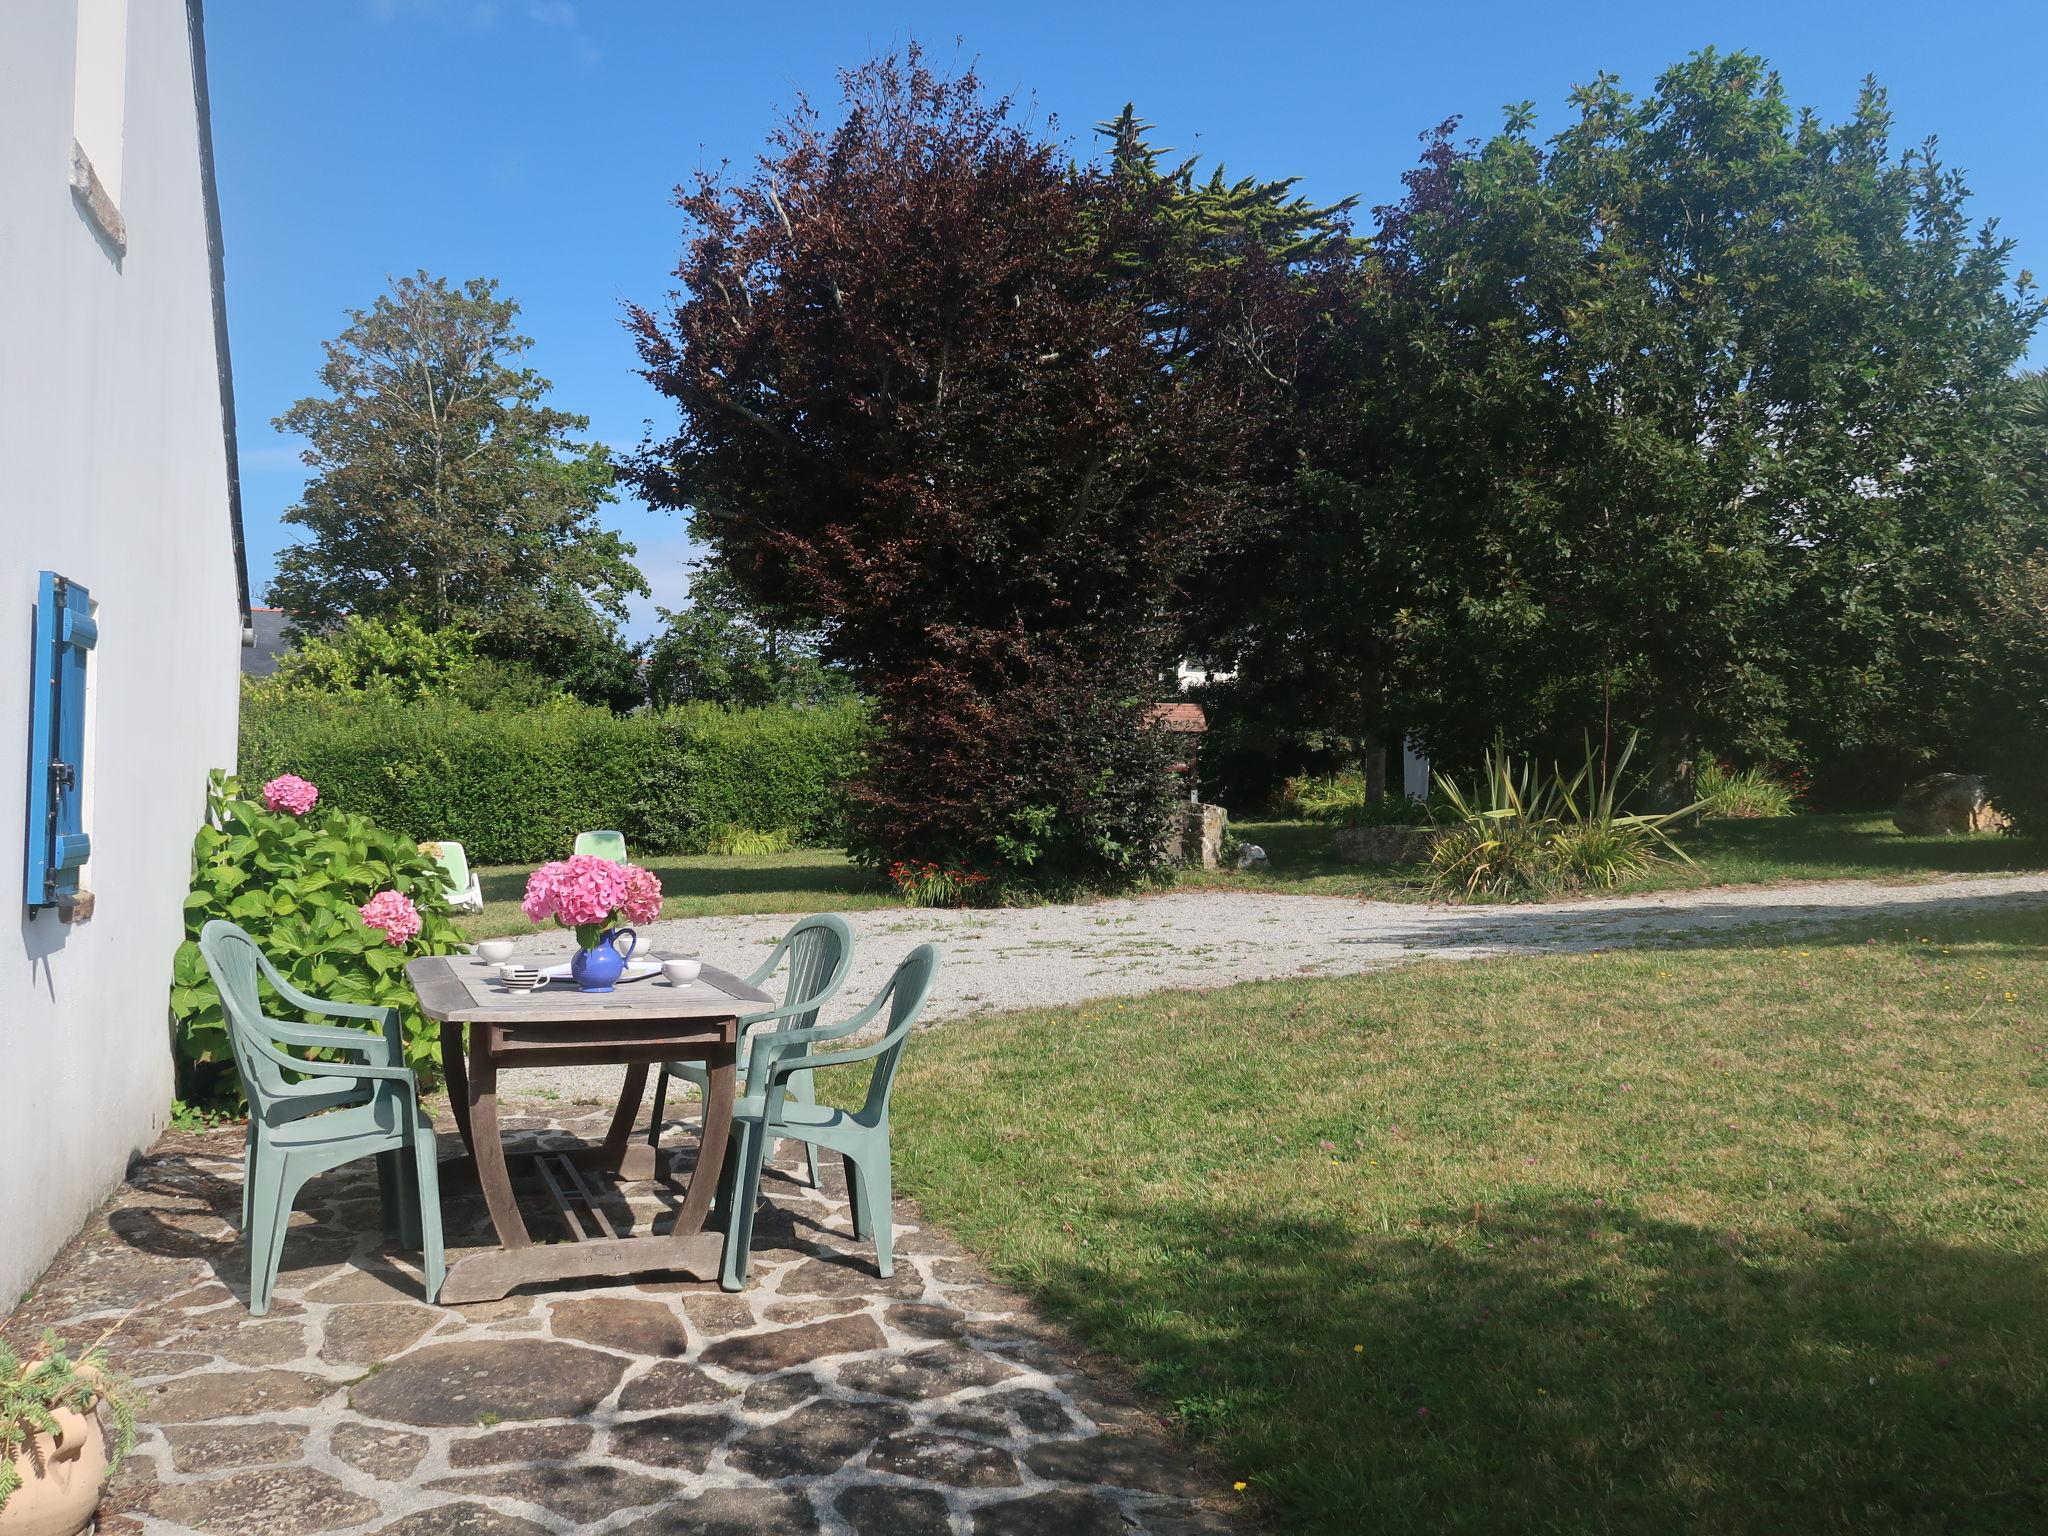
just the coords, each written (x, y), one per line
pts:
(682, 972)
(495, 951)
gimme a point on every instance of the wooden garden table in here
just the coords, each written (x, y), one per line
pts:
(639, 1024)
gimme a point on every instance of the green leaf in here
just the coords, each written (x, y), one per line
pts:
(250, 905)
(188, 965)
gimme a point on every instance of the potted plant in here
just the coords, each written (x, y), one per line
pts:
(594, 897)
(57, 1449)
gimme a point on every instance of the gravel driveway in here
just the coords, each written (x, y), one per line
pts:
(1035, 956)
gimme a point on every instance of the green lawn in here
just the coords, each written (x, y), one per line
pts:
(1732, 1239)
(1727, 853)
(709, 885)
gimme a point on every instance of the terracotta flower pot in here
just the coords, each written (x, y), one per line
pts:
(60, 1480)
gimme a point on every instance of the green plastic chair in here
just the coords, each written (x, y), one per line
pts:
(820, 953)
(369, 1109)
(860, 1136)
(606, 845)
(465, 887)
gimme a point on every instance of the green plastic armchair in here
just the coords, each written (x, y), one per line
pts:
(820, 953)
(307, 1116)
(465, 886)
(605, 845)
(860, 1137)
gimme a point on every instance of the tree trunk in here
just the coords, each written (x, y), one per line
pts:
(1671, 771)
(1375, 757)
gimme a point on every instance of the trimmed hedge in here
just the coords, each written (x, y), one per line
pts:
(515, 787)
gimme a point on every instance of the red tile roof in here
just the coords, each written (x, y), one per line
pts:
(1185, 719)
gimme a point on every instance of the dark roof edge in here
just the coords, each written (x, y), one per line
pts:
(195, 23)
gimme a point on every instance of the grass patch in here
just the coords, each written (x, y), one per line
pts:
(1737, 852)
(710, 885)
(1729, 853)
(1737, 1239)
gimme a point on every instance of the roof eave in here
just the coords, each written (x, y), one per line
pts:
(195, 21)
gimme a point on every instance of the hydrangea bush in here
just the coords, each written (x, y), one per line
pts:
(336, 903)
(590, 894)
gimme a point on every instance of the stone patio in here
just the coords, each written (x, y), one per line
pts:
(822, 1400)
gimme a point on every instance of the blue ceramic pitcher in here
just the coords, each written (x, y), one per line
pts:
(599, 969)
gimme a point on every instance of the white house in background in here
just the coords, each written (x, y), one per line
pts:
(123, 590)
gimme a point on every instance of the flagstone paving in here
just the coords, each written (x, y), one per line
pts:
(823, 1400)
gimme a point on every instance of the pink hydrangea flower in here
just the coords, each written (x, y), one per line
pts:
(394, 913)
(539, 901)
(289, 792)
(586, 891)
(576, 891)
(643, 895)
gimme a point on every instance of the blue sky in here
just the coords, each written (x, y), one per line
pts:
(536, 141)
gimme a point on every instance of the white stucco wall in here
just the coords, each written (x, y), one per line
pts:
(113, 473)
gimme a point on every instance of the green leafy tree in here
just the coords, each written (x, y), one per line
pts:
(561, 636)
(2027, 411)
(2004, 642)
(445, 489)
(929, 400)
(719, 650)
(1216, 222)
(1676, 421)
(1297, 709)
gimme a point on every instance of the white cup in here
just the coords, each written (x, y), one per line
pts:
(682, 972)
(495, 951)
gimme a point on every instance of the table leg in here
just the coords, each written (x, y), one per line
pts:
(634, 1161)
(704, 1178)
(686, 1249)
(457, 1076)
(488, 1149)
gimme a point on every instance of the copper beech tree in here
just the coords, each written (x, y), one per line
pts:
(974, 410)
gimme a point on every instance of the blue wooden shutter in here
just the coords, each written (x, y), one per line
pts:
(57, 842)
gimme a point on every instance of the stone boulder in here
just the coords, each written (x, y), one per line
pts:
(1947, 802)
(1194, 835)
(1383, 845)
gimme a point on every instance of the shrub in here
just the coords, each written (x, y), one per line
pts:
(1520, 832)
(1339, 798)
(1390, 811)
(2009, 705)
(1028, 768)
(398, 661)
(1726, 791)
(516, 786)
(1498, 841)
(296, 884)
(1323, 796)
(925, 884)
(398, 658)
(742, 841)
(779, 768)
